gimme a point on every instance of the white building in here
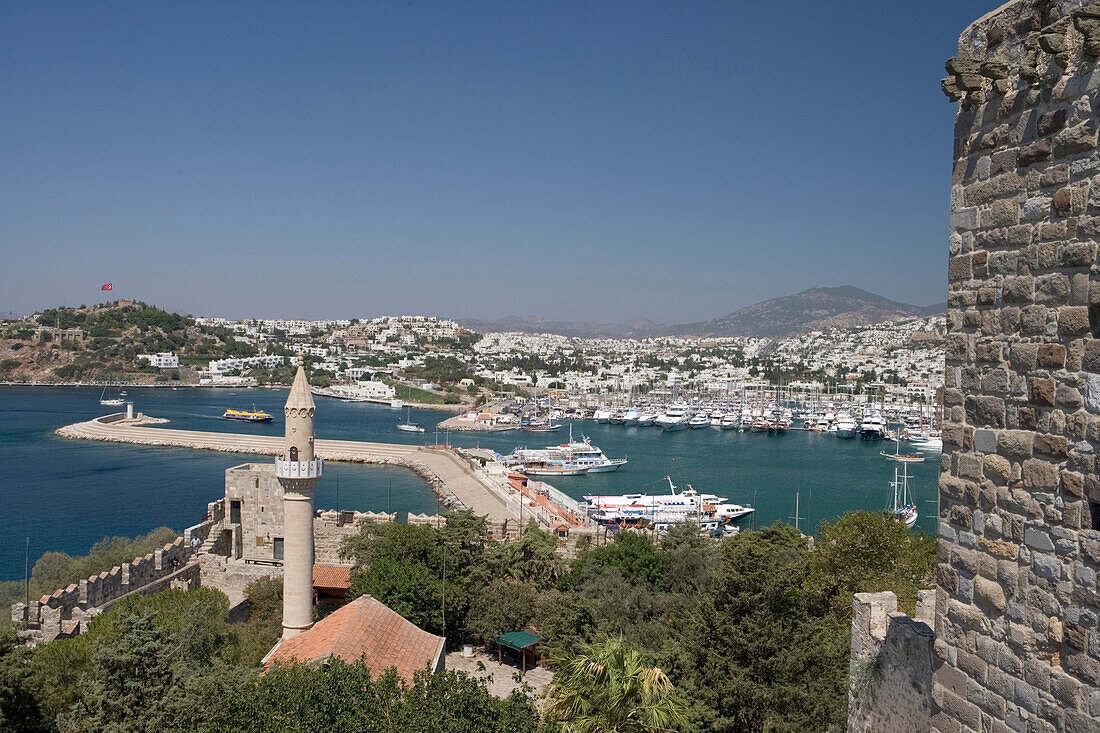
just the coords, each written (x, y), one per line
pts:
(162, 360)
(267, 361)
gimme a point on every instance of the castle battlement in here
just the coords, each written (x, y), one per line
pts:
(67, 611)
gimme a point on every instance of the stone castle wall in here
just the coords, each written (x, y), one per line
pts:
(890, 672)
(67, 611)
(1018, 646)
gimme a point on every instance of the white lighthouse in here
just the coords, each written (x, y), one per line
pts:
(299, 472)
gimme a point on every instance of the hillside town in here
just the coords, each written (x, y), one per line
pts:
(435, 361)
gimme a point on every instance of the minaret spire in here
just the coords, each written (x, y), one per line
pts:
(299, 472)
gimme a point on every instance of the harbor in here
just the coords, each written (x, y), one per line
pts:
(127, 489)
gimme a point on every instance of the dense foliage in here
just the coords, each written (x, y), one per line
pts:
(171, 661)
(749, 633)
(116, 334)
(57, 569)
(753, 630)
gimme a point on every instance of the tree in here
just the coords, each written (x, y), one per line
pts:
(19, 708)
(870, 552)
(608, 688)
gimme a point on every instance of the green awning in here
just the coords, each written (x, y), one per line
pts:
(518, 640)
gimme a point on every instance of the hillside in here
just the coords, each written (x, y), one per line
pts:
(638, 328)
(114, 334)
(810, 310)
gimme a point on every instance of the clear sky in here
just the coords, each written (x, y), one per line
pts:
(573, 160)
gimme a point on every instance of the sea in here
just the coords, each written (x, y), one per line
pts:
(65, 495)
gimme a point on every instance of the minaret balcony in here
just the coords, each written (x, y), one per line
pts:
(299, 469)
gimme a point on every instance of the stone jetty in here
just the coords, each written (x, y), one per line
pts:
(453, 478)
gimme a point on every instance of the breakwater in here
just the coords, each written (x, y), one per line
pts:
(449, 475)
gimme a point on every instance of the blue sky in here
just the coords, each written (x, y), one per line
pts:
(572, 160)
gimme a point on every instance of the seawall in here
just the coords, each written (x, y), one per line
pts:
(451, 477)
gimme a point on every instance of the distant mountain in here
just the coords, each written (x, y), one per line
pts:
(811, 310)
(638, 328)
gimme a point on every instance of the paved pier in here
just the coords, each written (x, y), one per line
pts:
(445, 472)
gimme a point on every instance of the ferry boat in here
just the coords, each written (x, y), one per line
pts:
(567, 459)
(689, 498)
(252, 415)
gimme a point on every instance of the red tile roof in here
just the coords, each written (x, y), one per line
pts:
(331, 576)
(364, 629)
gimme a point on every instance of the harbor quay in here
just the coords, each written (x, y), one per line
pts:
(461, 482)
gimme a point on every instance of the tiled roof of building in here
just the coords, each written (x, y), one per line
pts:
(331, 576)
(367, 630)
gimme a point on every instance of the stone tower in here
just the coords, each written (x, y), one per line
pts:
(1018, 608)
(299, 472)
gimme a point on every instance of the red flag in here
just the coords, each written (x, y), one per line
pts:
(107, 286)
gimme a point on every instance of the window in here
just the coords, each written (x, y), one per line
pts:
(235, 511)
(1094, 510)
(278, 550)
(294, 453)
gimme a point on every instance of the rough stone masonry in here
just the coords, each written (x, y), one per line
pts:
(1017, 638)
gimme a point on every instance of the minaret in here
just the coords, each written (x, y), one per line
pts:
(298, 472)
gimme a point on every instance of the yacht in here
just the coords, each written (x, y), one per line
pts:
(700, 420)
(729, 422)
(630, 417)
(846, 426)
(647, 419)
(602, 415)
(675, 418)
(873, 427)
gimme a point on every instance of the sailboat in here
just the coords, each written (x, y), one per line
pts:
(899, 457)
(113, 401)
(904, 509)
(409, 426)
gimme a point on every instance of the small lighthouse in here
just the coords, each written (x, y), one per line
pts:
(299, 472)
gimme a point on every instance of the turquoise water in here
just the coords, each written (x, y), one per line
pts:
(65, 495)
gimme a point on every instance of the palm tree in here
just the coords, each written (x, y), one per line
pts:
(608, 688)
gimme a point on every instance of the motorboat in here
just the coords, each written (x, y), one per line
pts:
(873, 427)
(674, 418)
(846, 426)
(700, 420)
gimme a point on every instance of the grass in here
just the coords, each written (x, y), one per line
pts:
(417, 395)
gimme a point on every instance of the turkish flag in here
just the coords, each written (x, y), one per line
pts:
(107, 286)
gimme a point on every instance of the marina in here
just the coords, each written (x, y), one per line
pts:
(129, 489)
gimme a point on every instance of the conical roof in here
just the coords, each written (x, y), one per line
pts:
(299, 391)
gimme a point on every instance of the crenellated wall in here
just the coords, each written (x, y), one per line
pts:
(890, 672)
(66, 611)
(1018, 648)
